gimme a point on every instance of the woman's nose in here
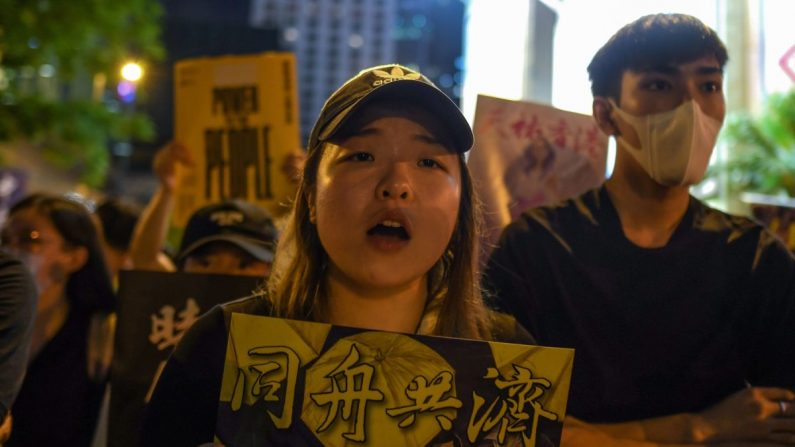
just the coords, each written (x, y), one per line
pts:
(395, 184)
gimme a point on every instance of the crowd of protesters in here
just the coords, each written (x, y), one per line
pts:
(682, 317)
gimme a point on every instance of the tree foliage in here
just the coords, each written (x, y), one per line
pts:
(51, 54)
(763, 148)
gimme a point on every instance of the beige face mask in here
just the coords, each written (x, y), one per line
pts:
(675, 146)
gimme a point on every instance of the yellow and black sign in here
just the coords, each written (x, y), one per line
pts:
(239, 116)
(300, 383)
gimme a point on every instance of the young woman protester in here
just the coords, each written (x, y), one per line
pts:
(60, 397)
(382, 236)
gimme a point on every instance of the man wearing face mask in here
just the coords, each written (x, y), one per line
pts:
(682, 317)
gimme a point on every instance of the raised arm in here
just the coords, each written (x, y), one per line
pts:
(150, 232)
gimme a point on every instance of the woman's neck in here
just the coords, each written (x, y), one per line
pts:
(397, 309)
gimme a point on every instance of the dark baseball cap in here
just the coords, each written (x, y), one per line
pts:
(390, 81)
(237, 222)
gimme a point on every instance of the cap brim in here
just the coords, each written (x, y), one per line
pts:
(418, 92)
(256, 248)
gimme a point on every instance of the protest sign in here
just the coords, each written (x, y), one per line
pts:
(154, 311)
(300, 383)
(239, 117)
(528, 155)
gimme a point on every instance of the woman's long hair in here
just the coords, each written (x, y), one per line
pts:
(297, 285)
(89, 288)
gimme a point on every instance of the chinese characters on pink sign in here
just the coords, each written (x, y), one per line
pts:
(528, 155)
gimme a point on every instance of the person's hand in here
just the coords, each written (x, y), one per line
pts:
(577, 433)
(165, 163)
(763, 415)
(5, 428)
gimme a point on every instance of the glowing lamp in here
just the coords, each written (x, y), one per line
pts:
(132, 72)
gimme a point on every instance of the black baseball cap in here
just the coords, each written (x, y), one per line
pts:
(243, 224)
(389, 81)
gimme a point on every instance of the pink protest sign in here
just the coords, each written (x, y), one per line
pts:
(528, 155)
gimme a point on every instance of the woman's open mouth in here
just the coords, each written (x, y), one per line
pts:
(389, 229)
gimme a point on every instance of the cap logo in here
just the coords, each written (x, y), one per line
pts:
(396, 74)
(226, 218)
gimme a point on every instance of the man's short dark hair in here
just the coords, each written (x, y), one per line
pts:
(118, 220)
(648, 42)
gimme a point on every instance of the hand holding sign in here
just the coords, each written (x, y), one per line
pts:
(751, 414)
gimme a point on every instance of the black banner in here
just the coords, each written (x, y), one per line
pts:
(155, 309)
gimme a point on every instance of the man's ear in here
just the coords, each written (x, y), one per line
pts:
(602, 113)
(76, 258)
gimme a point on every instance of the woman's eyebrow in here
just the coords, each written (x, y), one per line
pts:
(421, 137)
(365, 131)
(424, 138)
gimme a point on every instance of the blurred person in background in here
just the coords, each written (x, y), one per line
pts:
(233, 237)
(17, 311)
(117, 219)
(57, 241)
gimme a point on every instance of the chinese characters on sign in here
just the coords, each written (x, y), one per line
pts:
(581, 138)
(428, 397)
(155, 312)
(166, 332)
(276, 368)
(360, 391)
(350, 387)
(528, 155)
(235, 105)
(238, 116)
(519, 407)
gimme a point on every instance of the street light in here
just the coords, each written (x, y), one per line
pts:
(132, 72)
(131, 75)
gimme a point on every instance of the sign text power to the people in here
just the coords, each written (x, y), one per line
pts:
(233, 150)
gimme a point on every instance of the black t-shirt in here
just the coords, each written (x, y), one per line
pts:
(184, 405)
(656, 331)
(59, 403)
